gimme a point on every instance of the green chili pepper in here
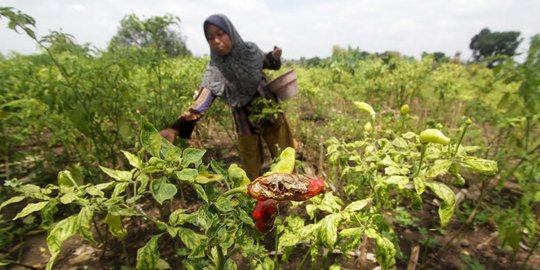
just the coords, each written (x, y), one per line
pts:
(433, 136)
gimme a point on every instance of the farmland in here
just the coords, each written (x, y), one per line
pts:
(429, 163)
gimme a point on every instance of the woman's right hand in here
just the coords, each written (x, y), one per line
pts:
(169, 134)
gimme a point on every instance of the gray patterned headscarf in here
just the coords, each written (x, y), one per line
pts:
(234, 77)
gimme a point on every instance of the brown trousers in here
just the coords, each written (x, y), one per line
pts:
(277, 137)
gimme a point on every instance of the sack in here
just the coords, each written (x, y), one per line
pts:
(284, 86)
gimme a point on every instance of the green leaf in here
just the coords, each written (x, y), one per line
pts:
(328, 230)
(357, 205)
(179, 217)
(190, 238)
(351, 237)
(65, 179)
(150, 139)
(244, 217)
(122, 211)
(448, 197)
(483, 166)
(400, 181)
(419, 185)
(11, 200)
(169, 151)
(192, 156)
(83, 219)
(335, 267)
(68, 198)
(187, 174)
(238, 176)
(58, 234)
(285, 163)
(133, 160)
(200, 191)
(119, 189)
(115, 226)
(162, 190)
(148, 256)
(30, 208)
(441, 167)
(288, 239)
(224, 204)
(163, 265)
(116, 174)
(536, 197)
(97, 189)
(386, 251)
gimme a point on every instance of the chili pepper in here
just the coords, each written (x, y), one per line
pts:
(365, 107)
(433, 136)
(404, 109)
(264, 215)
(285, 187)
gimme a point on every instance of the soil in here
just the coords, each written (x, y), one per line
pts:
(473, 247)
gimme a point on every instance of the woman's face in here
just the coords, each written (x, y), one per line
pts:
(219, 41)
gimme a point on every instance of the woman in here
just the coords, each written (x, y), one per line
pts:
(235, 75)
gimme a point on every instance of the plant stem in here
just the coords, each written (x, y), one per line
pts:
(422, 154)
(221, 260)
(529, 254)
(460, 139)
(303, 261)
(97, 228)
(242, 189)
(276, 243)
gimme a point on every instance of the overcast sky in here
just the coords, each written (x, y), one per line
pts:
(301, 27)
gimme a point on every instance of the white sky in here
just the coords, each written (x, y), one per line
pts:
(302, 28)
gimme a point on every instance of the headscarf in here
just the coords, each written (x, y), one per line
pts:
(234, 77)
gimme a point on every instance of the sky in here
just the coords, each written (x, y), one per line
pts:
(302, 28)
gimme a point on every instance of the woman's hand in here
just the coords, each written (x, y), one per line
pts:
(276, 53)
(169, 134)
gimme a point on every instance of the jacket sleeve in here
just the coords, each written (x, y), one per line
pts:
(185, 124)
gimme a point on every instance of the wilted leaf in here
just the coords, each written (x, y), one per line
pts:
(148, 255)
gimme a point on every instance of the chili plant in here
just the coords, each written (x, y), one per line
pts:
(209, 234)
(380, 174)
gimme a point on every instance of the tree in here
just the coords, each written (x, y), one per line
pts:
(156, 32)
(486, 45)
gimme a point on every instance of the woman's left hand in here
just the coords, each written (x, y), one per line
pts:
(276, 53)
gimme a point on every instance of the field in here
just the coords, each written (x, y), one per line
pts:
(429, 164)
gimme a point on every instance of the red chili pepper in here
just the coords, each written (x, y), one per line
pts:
(285, 187)
(264, 215)
(316, 186)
